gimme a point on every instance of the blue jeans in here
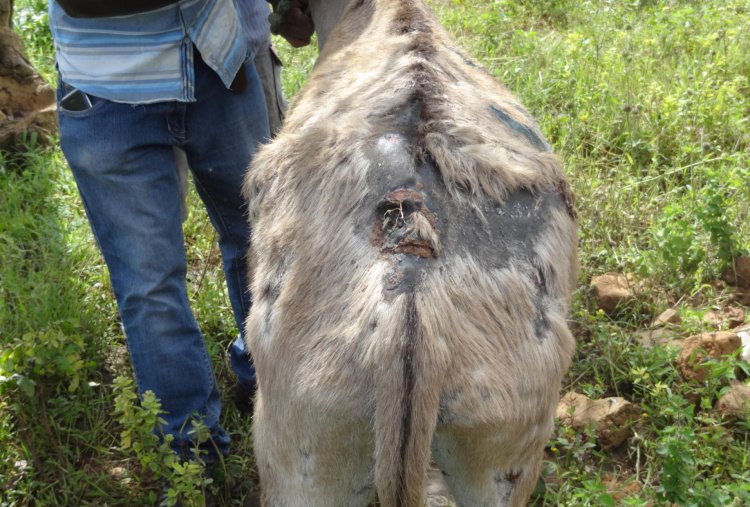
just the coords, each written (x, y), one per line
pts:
(123, 162)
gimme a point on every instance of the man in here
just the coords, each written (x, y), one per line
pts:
(147, 88)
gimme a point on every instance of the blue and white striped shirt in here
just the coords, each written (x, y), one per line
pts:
(148, 57)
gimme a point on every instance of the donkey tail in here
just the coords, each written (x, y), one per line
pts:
(408, 387)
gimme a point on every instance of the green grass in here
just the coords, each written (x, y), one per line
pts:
(646, 103)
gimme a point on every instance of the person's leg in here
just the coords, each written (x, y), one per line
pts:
(223, 131)
(123, 162)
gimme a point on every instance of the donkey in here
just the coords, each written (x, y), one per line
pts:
(413, 255)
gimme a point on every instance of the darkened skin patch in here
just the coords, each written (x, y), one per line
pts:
(394, 279)
(528, 132)
(403, 275)
(410, 343)
(507, 479)
(541, 323)
(497, 241)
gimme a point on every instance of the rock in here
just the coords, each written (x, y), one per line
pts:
(26, 100)
(735, 404)
(622, 488)
(659, 337)
(612, 417)
(667, 317)
(735, 317)
(714, 318)
(739, 274)
(613, 289)
(730, 317)
(716, 345)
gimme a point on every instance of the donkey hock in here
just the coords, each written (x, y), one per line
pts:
(413, 255)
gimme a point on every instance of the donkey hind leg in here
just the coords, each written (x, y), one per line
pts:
(314, 463)
(479, 471)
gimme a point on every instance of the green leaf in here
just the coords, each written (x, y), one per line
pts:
(606, 499)
(26, 385)
(74, 382)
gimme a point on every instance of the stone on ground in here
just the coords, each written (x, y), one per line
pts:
(659, 337)
(735, 317)
(614, 289)
(613, 418)
(715, 345)
(739, 274)
(735, 404)
(730, 318)
(622, 488)
(667, 317)
(27, 102)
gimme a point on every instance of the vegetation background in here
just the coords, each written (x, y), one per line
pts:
(646, 101)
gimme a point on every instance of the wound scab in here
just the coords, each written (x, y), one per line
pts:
(405, 225)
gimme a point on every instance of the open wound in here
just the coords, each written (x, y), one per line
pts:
(404, 224)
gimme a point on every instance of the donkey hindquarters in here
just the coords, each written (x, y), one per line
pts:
(413, 255)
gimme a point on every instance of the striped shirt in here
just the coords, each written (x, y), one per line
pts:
(148, 57)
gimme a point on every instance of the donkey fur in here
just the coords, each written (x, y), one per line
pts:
(413, 255)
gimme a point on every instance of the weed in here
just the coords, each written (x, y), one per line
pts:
(141, 432)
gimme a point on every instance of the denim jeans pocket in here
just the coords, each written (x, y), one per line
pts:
(64, 89)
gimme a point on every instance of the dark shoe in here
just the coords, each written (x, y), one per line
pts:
(244, 399)
(209, 496)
